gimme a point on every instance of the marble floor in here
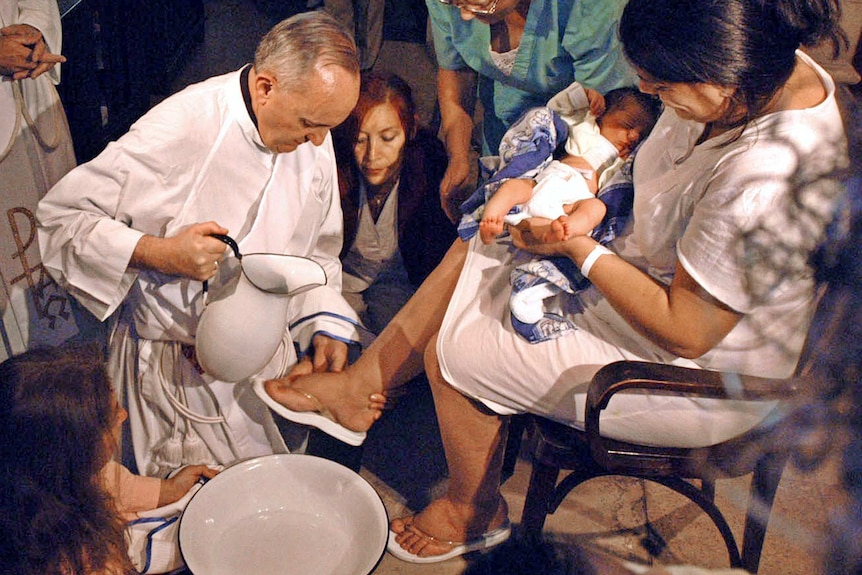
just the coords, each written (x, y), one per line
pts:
(628, 519)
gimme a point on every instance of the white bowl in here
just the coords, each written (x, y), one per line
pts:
(283, 515)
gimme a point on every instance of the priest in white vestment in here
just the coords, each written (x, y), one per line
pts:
(129, 234)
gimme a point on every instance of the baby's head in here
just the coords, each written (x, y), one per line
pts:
(628, 118)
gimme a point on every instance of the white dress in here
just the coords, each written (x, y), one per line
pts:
(35, 152)
(195, 157)
(693, 205)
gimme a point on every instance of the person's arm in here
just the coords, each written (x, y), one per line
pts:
(92, 223)
(575, 101)
(601, 69)
(191, 253)
(174, 488)
(682, 317)
(321, 321)
(131, 493)
(456, 95)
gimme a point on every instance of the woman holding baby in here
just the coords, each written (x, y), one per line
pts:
(735, 171)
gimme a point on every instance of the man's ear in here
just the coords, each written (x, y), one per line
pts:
(264, 84)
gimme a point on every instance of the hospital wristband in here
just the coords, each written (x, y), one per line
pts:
(590, 260)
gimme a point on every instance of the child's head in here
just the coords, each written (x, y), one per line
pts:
(628, 118)
(58, 405)
(57, 417)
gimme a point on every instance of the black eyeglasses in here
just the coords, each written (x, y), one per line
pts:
(482, 11)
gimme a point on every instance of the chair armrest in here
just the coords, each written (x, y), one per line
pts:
(670, 379)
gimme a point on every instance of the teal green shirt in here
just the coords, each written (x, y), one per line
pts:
(563, 41)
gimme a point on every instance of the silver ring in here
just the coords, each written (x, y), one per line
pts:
(215, 263)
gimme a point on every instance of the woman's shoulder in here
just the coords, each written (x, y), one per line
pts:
(425, 156)
(429, 144)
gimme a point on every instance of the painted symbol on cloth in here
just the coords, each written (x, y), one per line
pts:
(50, 303)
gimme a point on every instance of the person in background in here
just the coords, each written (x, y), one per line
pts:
(130, 235)
(365, 19)
(733, 190)
(35, 152)
(389, 173)
(512, 55)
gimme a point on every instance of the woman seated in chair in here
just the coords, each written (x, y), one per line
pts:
(711, 273)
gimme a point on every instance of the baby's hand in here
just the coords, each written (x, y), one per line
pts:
(596, 100)
(174, 488)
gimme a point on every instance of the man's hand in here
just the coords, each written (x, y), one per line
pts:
(452, 190)
(23, 52)
(192, 253)
(174, 488)
(329, 355)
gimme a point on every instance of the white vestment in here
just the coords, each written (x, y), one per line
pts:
(35, 152)
(195, 157)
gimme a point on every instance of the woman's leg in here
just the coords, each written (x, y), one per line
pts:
(393, 359)
(474, 440)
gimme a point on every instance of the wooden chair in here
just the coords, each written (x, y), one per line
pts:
(588, 455)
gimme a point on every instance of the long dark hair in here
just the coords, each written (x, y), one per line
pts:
(56, 409)
(747, 44)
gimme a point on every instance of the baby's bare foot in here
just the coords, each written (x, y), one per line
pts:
(490, 227)
(559, 231)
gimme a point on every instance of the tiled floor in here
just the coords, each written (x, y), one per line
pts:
(403, 457)
(627, 519)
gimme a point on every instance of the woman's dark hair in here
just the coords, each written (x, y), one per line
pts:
(746, 44)
(56, 409)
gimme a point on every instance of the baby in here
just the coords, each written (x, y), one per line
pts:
(602, 133)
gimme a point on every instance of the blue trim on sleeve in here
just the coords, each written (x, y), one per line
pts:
(325, 314)
(150, 535)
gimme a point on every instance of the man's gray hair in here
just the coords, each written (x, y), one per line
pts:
(295, 47)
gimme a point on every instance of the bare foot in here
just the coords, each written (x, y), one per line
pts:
(435, 529)
(490, 227)
(347, 402)
(559, 231)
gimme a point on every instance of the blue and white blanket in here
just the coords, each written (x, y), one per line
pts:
(542, 278)
(526, 149)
